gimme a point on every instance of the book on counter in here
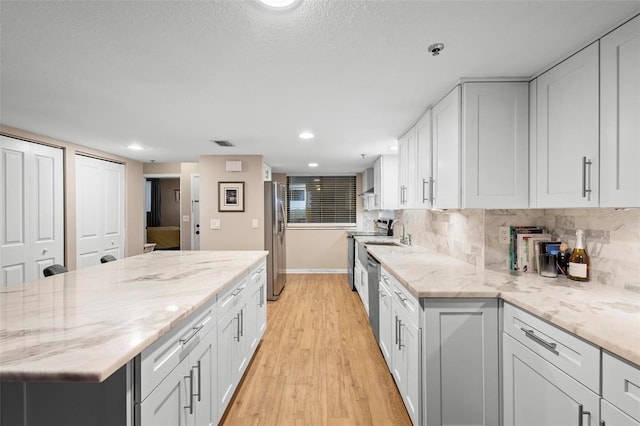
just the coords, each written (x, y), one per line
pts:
(519, 249)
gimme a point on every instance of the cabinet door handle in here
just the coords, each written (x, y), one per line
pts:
(396, 329)
(241, 322)
(581, 414)
(238, 327)
(199, 380)
(424, 196)
(190, 377)
(400, 344)
(586, 191)
(549, 345)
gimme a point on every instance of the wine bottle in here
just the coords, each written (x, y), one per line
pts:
(579, 260)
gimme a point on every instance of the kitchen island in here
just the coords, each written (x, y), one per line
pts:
(88, 328)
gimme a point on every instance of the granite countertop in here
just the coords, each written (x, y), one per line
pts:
(84, 325)
(605, 316)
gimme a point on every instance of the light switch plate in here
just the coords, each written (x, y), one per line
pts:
(254, 223)
(186, 218)
(215, 223)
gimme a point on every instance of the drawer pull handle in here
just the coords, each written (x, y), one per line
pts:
(581, 414)
(549, 345)
(193, 332)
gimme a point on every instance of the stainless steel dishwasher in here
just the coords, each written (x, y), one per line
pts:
(373, 270)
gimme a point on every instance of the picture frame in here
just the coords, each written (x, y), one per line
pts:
(231, 196)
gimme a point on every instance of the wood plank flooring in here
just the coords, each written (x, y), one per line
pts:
(318, 364)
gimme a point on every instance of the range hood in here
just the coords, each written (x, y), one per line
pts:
(367, 182)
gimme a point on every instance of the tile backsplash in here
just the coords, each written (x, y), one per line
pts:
(457, 233)
(612, 237)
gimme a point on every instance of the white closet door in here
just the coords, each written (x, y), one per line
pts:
(32, 231)
(99, 210)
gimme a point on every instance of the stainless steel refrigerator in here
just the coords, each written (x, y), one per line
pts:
(275, 224)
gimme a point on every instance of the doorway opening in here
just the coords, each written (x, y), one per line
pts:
(162, 211)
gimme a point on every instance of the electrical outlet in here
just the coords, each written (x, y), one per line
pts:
(503, 235)
(254, 223)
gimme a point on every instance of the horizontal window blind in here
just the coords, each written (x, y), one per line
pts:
(321, 199)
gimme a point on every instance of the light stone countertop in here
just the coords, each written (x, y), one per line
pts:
(84, 325)
(605, 316)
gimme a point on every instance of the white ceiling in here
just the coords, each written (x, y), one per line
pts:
(173, 75)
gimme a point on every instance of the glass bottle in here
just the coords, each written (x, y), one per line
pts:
(579, 260)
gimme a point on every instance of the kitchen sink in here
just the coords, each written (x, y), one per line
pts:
(381, 243)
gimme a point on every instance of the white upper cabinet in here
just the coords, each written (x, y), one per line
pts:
(407, 165)
(446, 151)
(620, 116)
(495, 135)
(566, 144)
(385, 172)
(414, 166)
(423, 162)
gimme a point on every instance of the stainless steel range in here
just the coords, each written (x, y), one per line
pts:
(383, 227)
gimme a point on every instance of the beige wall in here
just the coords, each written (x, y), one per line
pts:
(235, 232)
(169, 206)
(134, 192)
(186, 171)
(316, 250)
(161, 168)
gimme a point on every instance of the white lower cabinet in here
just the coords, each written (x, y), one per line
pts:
(386, 318)
(406, 347)
(203, 396)
(166, 405)
(461, 367)
(361, 281)
(405, 356)
(537, 393)
(227, 336)
(620, 392)
(550, 377)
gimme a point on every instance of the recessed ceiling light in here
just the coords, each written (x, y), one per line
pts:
(135, 147)
(306, 135)
(313, 164)
(278, 4)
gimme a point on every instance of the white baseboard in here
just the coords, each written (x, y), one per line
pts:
(316, 271)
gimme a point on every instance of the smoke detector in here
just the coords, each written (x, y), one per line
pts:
(435, 48)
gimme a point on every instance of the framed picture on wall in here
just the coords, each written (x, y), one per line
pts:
(230, 196)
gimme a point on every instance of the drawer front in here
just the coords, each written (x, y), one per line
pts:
(159, 359)
(570, 354)
(258, 274)
(401, 297)
(611, 416)
(231, 296)
(621, 385)
(385, 282)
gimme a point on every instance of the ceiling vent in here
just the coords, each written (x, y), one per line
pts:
(222, 143)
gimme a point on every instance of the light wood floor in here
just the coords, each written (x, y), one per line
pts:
(318, 364)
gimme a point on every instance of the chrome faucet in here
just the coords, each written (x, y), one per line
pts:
(406, 238)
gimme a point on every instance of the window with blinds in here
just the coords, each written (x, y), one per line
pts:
(321, 200)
